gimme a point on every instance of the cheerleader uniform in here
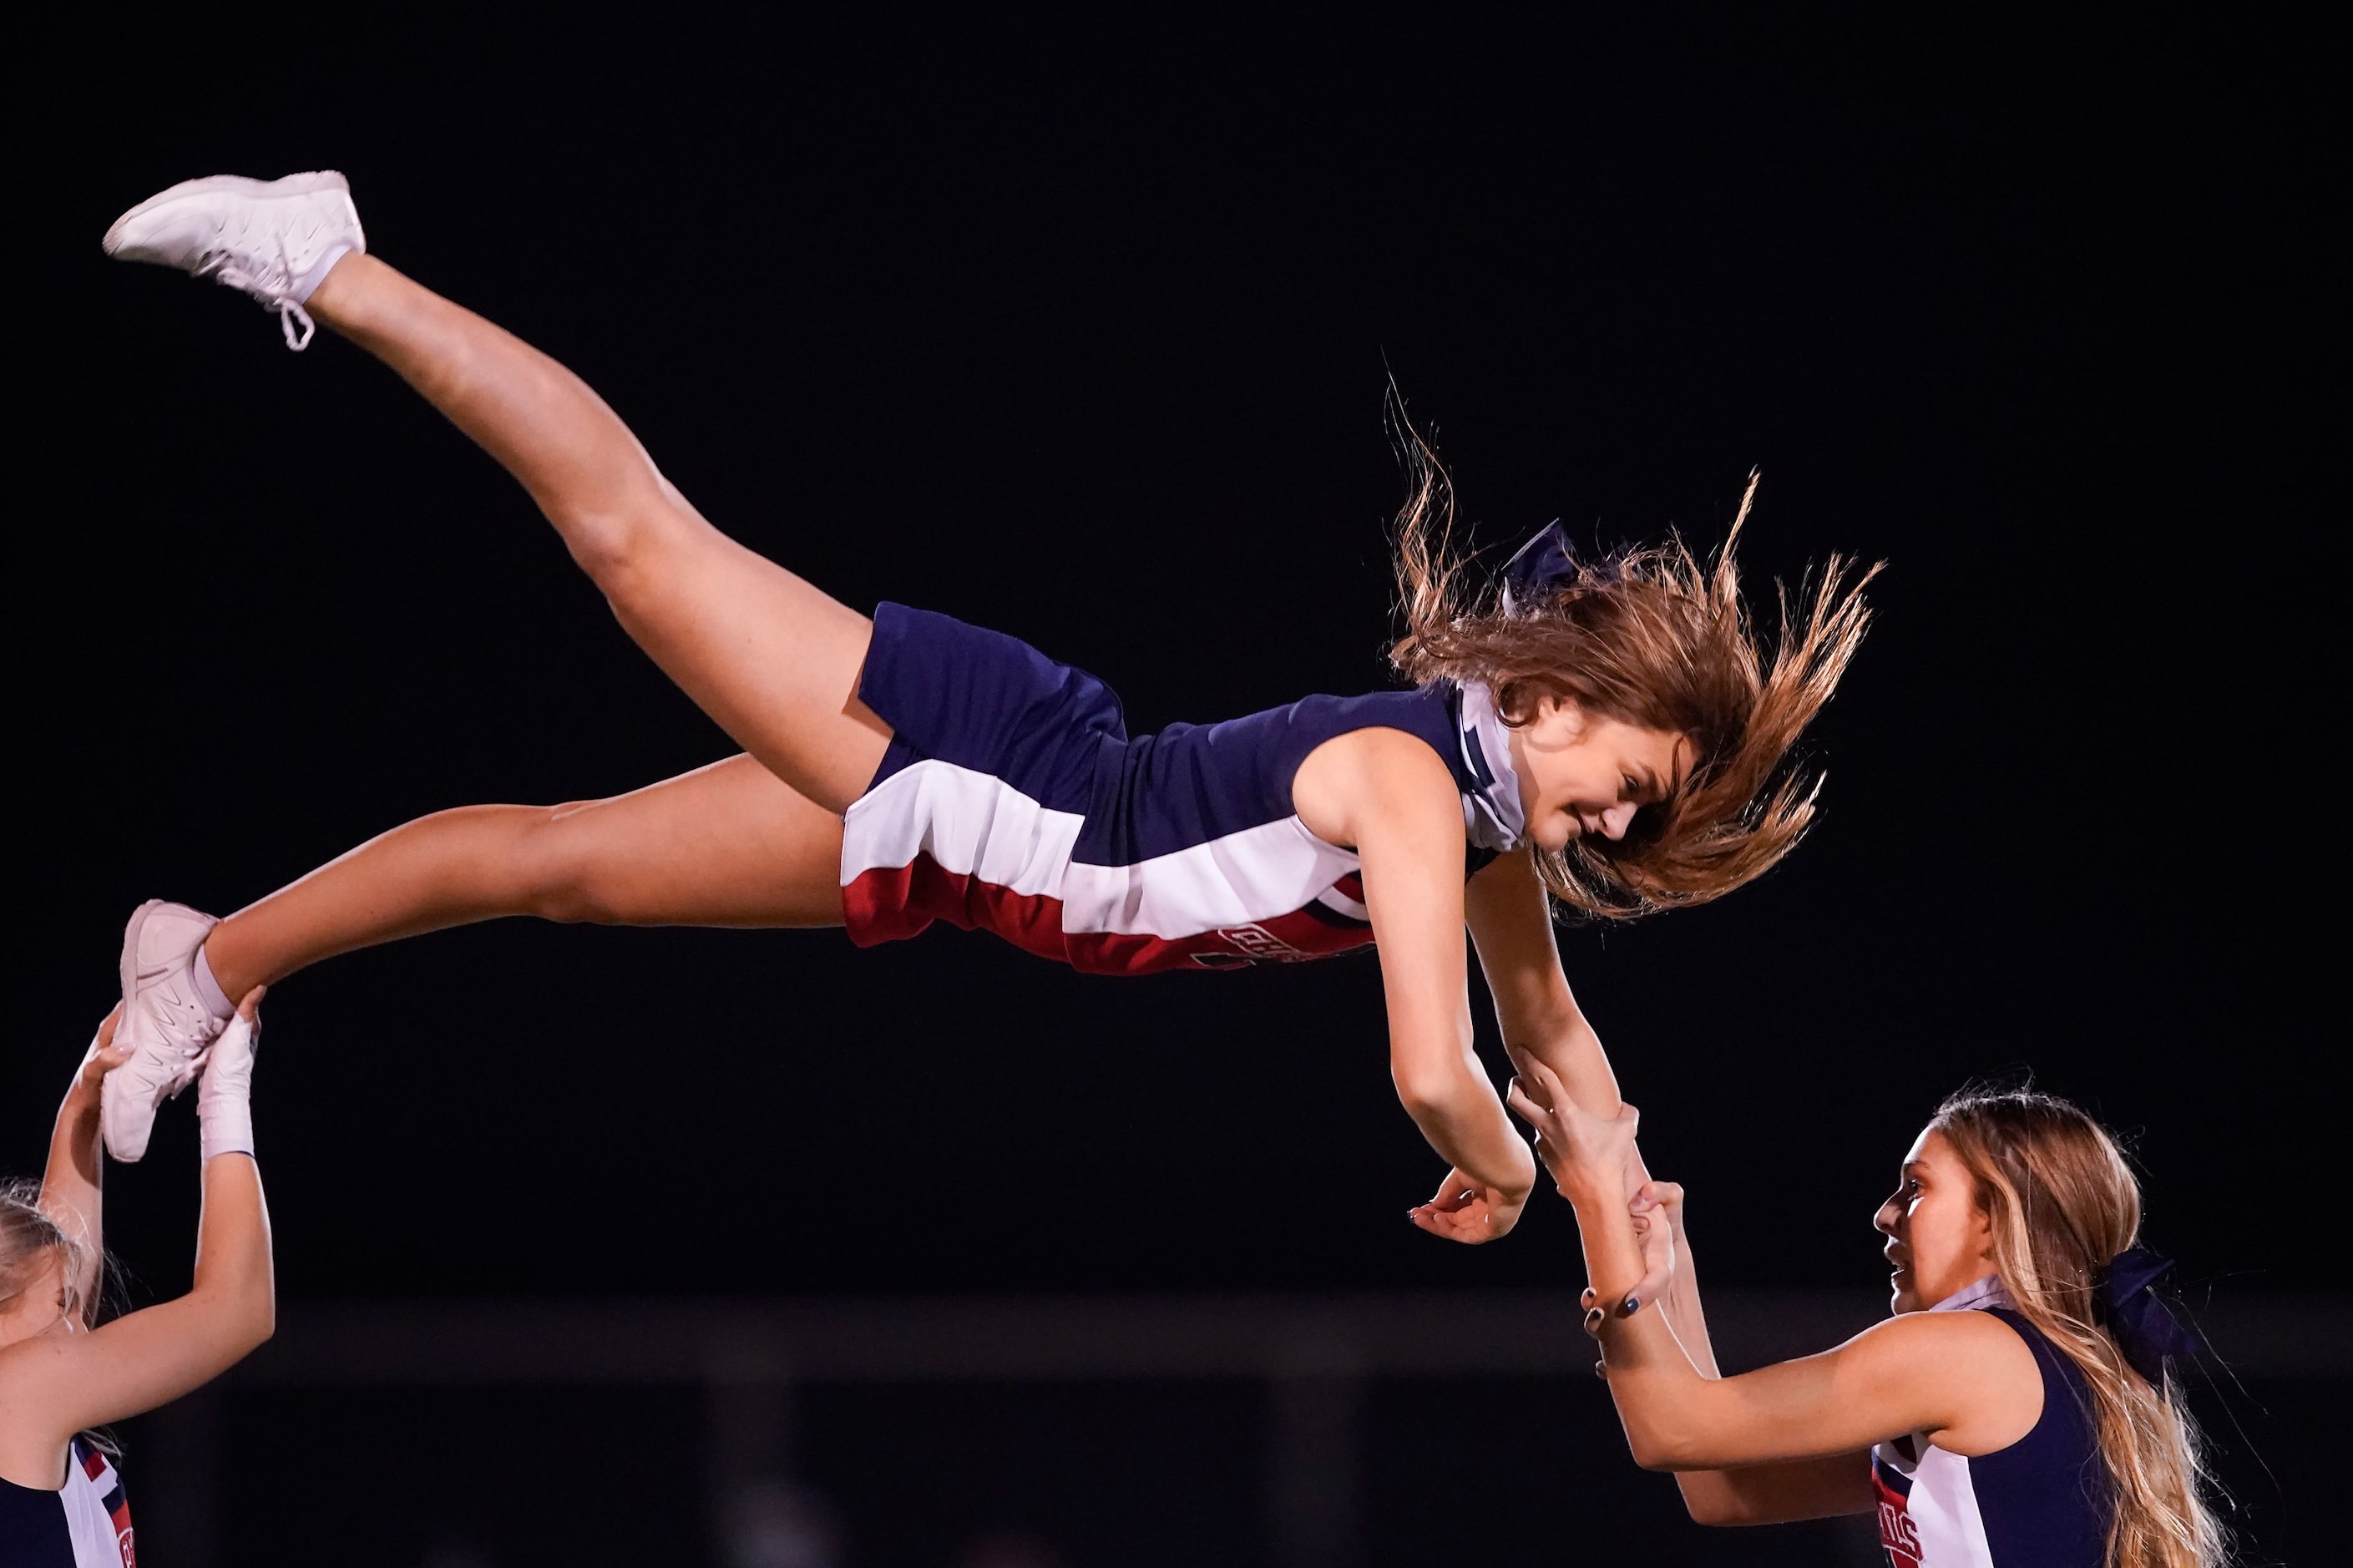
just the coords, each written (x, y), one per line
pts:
(2043, 1502)
(86, 1524)
(1013, 800)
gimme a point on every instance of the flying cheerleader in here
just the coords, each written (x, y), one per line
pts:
(1612, 734)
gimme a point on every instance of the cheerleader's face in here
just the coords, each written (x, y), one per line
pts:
(40, 1305)
(1582, 773)
(1938, 1240)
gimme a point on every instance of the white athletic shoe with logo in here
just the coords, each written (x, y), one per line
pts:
(276, 239)
(164, 1020)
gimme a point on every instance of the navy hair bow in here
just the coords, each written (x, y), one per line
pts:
(1539, 569)
(2144, 1324)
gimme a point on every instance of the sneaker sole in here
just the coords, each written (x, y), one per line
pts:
(233, 184)
(129, 970)
(129, 966)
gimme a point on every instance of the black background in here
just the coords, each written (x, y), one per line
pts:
(1083, 334)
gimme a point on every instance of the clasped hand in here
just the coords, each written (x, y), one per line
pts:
(1593, 1161)
(1585, 1152)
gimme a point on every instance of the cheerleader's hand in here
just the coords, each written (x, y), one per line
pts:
(1661, 1235)
(102, 1057)
(1657, 1206)
(1466, 1212)
(1587, 1155)
(1658, 1211)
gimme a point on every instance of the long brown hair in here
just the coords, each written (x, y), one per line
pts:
(1655, 637)
(2063, 1204)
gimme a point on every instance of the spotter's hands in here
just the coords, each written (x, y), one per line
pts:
(1658, 1211)
(1657, 1208)
(1592, 1157)
(102, 1057)
(1581, 1150)
(1465, 1211)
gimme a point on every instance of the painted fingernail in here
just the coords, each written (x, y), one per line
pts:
(1632, 1305)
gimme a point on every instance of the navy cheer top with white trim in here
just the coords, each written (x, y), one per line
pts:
(2041, 1503)
(86, 1524)
(1013, 800)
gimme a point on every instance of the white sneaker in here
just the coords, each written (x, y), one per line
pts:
(164, 1020)
(276, 239)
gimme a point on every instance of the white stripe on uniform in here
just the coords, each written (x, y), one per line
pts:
(972, 824)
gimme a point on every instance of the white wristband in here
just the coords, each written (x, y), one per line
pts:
(224, 1127)
(223, 1095)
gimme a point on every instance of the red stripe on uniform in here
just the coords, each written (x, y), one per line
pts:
(892, 903)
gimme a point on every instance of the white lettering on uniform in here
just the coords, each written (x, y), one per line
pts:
(1260, 943)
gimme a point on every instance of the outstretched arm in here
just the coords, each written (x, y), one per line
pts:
(1389, 794)
(1747, 1494)
(1949, 1376)
(71, 1186)
(55, 1384)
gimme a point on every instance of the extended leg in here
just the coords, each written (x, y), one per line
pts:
(728, 844)
(771, 659)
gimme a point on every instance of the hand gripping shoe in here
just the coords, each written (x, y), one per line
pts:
(276, 239)
(164, 1020)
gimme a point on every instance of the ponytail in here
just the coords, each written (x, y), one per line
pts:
(2066, 1215)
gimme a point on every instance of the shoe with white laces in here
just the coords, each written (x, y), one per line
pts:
(276, 239)
(165, 1020)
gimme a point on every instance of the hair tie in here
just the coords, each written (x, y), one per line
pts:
(2145, 1325)
(1541, 568)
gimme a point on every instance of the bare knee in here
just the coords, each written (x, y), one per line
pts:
(610, 545)
(554, 869)
(623, 543)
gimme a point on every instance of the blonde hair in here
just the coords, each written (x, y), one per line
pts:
(27, 1236)
(2063, 1204)
(1654, 638)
